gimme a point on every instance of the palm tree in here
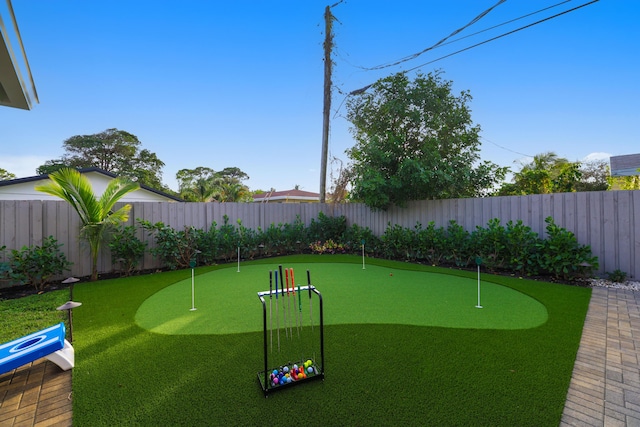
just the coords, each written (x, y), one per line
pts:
(96, 215)
(232, 191)
(201, 190)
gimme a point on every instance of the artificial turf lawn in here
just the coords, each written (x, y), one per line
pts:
(227, 300)
(376, 374)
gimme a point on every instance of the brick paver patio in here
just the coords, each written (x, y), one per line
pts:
(36, 394)
(605, 385)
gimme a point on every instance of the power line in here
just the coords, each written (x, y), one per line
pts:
(505, 148)
(358, 91)
(505, 23)
(415, 55)
(505, 34)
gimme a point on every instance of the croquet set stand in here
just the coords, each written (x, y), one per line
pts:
(264, 377)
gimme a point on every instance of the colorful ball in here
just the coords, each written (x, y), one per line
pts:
(310, 369)
(285, 369)
(276, 380)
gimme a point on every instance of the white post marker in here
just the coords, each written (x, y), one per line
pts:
(192, 264)
(363, 254)
(478, 262)
(238, 259)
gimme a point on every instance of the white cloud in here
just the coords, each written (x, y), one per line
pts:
(21, 166)
(596, 156)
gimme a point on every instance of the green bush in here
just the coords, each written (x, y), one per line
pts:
(295, 236)
(398, 243)
(35, 265)
(490, 244)
(459, 249)
(521, 246)
(354, 237)
(126, 249)
(176, 249)
(228, 240)
(562, 257)
(432, 243)
(617, 276)
(327, 228)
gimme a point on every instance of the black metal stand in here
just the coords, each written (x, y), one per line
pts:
(317, 372)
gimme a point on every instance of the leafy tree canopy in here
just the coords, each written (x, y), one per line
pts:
(546, 173)
(203, 184)
(625, 182)
(595, 176)
(6, 175)
(113, 150)
(415, 140)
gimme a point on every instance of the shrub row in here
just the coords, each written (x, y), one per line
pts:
(513, 247)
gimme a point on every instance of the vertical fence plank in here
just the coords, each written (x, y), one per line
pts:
(635, 233)
(624, 232)
(609, 219)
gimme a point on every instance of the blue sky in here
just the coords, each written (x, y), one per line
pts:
(239, 83)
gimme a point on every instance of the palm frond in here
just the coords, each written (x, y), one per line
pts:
(115, 190)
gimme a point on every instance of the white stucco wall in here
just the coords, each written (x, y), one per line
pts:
(99, 182)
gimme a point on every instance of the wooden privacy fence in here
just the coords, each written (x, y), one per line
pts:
(607, 221)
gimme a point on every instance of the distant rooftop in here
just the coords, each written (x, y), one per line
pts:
(626, 165)
(288, 196)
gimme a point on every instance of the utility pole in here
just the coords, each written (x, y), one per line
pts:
(328, 65)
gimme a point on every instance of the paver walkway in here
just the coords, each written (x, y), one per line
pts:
(36, 394)
(605, 385)
(604, 389)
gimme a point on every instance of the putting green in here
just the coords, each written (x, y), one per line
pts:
(227, 302)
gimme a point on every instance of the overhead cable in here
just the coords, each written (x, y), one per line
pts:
(415, 55)
(358, 91)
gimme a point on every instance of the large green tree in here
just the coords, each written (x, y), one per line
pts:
(415, 140)
(113, 150)
(97, 216)
(203, 184)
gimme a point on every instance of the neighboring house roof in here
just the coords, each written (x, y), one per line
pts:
(626, 165)
(17, 88)
(288, 196)
(23, 188)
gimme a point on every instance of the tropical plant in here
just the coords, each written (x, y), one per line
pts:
(203, 184)
(546, 173)
(97, 216)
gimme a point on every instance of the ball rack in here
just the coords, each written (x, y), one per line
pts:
(264, 377)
